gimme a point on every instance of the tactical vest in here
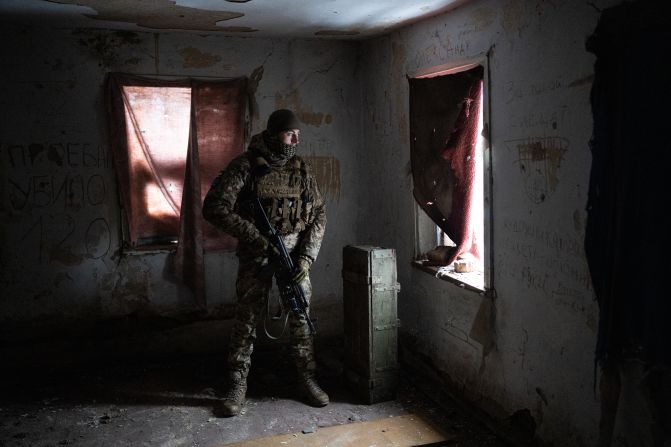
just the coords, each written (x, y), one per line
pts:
(285, 192)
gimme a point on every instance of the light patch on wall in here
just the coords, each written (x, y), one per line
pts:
(194, 58)
(483, 329)
(98, 238)
(539, 159)
(327, 172)
(304, 112)
(157, 14)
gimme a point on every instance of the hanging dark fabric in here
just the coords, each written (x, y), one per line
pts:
(216, 137)
(220, 109)
(444, 113)
(627, 239)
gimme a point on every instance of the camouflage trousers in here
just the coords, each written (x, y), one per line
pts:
(252, 293)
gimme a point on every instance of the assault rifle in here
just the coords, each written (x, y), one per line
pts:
(284, 267)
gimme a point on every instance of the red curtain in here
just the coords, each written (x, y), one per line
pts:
(169, 140)
(149, 162)
(216, 137)
(444, 112)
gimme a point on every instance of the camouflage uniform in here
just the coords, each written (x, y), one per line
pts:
(293, 203)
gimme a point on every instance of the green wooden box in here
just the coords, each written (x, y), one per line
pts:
(371, 321)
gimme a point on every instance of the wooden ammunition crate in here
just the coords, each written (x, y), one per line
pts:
(371, 322)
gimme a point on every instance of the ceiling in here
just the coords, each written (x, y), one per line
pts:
(343, 19)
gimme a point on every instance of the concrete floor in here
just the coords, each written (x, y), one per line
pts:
(171, 402)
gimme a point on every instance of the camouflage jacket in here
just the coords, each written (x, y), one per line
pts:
(289, 194)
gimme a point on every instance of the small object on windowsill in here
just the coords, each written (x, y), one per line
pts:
(463, 266)
(439, 255)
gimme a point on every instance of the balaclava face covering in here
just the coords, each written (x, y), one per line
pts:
(279, 121)
(278, 153)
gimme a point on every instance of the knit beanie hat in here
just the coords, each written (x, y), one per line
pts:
(281, 120)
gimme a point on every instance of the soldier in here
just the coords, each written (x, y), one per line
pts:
(288, 191)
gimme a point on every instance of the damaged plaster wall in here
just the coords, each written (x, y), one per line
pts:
(60, 214)
(530, 351)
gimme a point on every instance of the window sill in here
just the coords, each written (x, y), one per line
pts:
(468, 281)
(150, 250)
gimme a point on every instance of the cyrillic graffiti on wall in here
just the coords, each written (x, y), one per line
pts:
(56, 193)
(61, 154)
(69, 191)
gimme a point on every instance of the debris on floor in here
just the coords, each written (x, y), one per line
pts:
(172, 402)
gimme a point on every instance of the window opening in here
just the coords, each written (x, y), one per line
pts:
(466, 261)
(170, 139)
(157, 132)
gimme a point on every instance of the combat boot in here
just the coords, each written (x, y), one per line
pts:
(312, 391)
(234, 397)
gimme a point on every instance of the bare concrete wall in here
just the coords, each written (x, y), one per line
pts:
(545, 317)
(60, 257)
(60, 215)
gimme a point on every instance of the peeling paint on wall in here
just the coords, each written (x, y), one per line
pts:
(194, 58)
(157, 14)
(587, 80)
(304, 112)
(252, 86)
(126, 290)
(327, 172)
(539, 159)
(104, 45)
